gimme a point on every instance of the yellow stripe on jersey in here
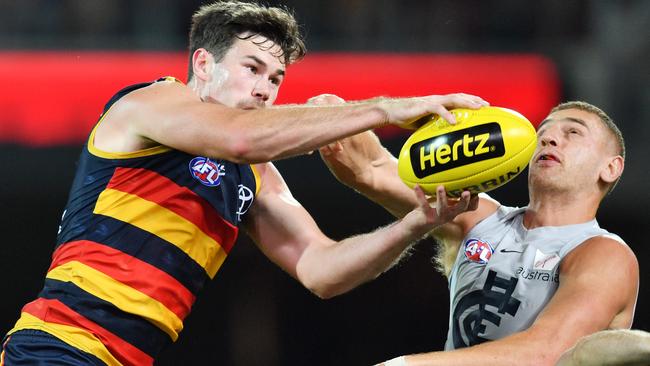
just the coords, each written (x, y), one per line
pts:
(165, 224)
(122, 296)
(75, 337)
(258, 179)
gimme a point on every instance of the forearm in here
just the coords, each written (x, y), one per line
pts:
(521, 349)
(363, 164)
(330, 270)
(387, 190)
(281, 132)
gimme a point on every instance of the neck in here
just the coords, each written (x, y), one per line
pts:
(196, 87)
(560, 208)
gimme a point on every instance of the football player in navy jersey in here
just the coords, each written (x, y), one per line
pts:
(170, 173)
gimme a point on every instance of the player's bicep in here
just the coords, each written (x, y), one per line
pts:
(598, 283)
(279, 224)
(171, 114)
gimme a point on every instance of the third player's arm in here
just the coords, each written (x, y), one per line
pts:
(363, 164)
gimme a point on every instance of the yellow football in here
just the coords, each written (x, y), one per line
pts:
(485, 149)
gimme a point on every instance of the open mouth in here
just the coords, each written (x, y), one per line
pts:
(548, 157)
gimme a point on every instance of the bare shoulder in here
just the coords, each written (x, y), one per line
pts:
(605, 265)
(267, 172)
(601, 251)
(121, 123)
(270, 178)
(157, 98)
(486, 207)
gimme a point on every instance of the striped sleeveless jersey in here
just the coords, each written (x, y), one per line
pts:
(141, 234)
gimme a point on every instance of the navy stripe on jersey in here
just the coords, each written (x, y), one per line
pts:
(126, 326)
(150, 248)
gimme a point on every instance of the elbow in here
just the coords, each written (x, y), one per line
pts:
(323, 291)
(323, 294)
(241, 148)
(323, 287)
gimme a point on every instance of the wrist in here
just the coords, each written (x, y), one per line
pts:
(379, 106)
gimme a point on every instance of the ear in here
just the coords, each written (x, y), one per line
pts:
(202, 63)
(613, 169)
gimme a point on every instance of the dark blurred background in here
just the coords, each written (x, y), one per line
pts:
(253, 313)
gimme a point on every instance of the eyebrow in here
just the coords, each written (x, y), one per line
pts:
(259, 61)
(570, 119)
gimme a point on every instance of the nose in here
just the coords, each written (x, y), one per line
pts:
(548, 140)
(262, 90)
(550, 136)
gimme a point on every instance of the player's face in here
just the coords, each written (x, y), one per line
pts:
(249, 75)
(573, 148)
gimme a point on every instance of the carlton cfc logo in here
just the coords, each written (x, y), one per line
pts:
(478, 251)
(206, 171)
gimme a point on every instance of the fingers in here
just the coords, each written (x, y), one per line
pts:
(463, 204)
(458, 100)
(462, 100)
(473, 203)
(331, 149)
(451, 208)
(444, 113)
(441, 200)
(421, 197)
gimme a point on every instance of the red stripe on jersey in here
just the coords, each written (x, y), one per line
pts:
(156, 188)
(130, 271)
(53, 311)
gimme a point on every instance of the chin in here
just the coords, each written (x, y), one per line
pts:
(249, 106)
(546, 182)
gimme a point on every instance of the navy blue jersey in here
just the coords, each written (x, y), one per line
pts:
(140, 235)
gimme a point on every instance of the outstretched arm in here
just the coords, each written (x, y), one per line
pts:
(171, 114)
(288, 235)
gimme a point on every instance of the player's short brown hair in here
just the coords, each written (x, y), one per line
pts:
(216, 26)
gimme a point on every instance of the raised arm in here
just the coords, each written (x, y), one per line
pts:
(288, 235)
(598, 289)
(362, 163)
(171, 114)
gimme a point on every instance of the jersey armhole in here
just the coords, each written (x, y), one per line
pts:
(258, 179)
(93, 150)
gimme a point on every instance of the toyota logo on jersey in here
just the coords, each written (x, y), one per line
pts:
(478, 251)
(206, 171)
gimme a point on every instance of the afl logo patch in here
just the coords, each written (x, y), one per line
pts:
(478, 251)
(206, 171)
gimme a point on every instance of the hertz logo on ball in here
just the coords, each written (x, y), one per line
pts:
(457, 148)
(485, 149)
